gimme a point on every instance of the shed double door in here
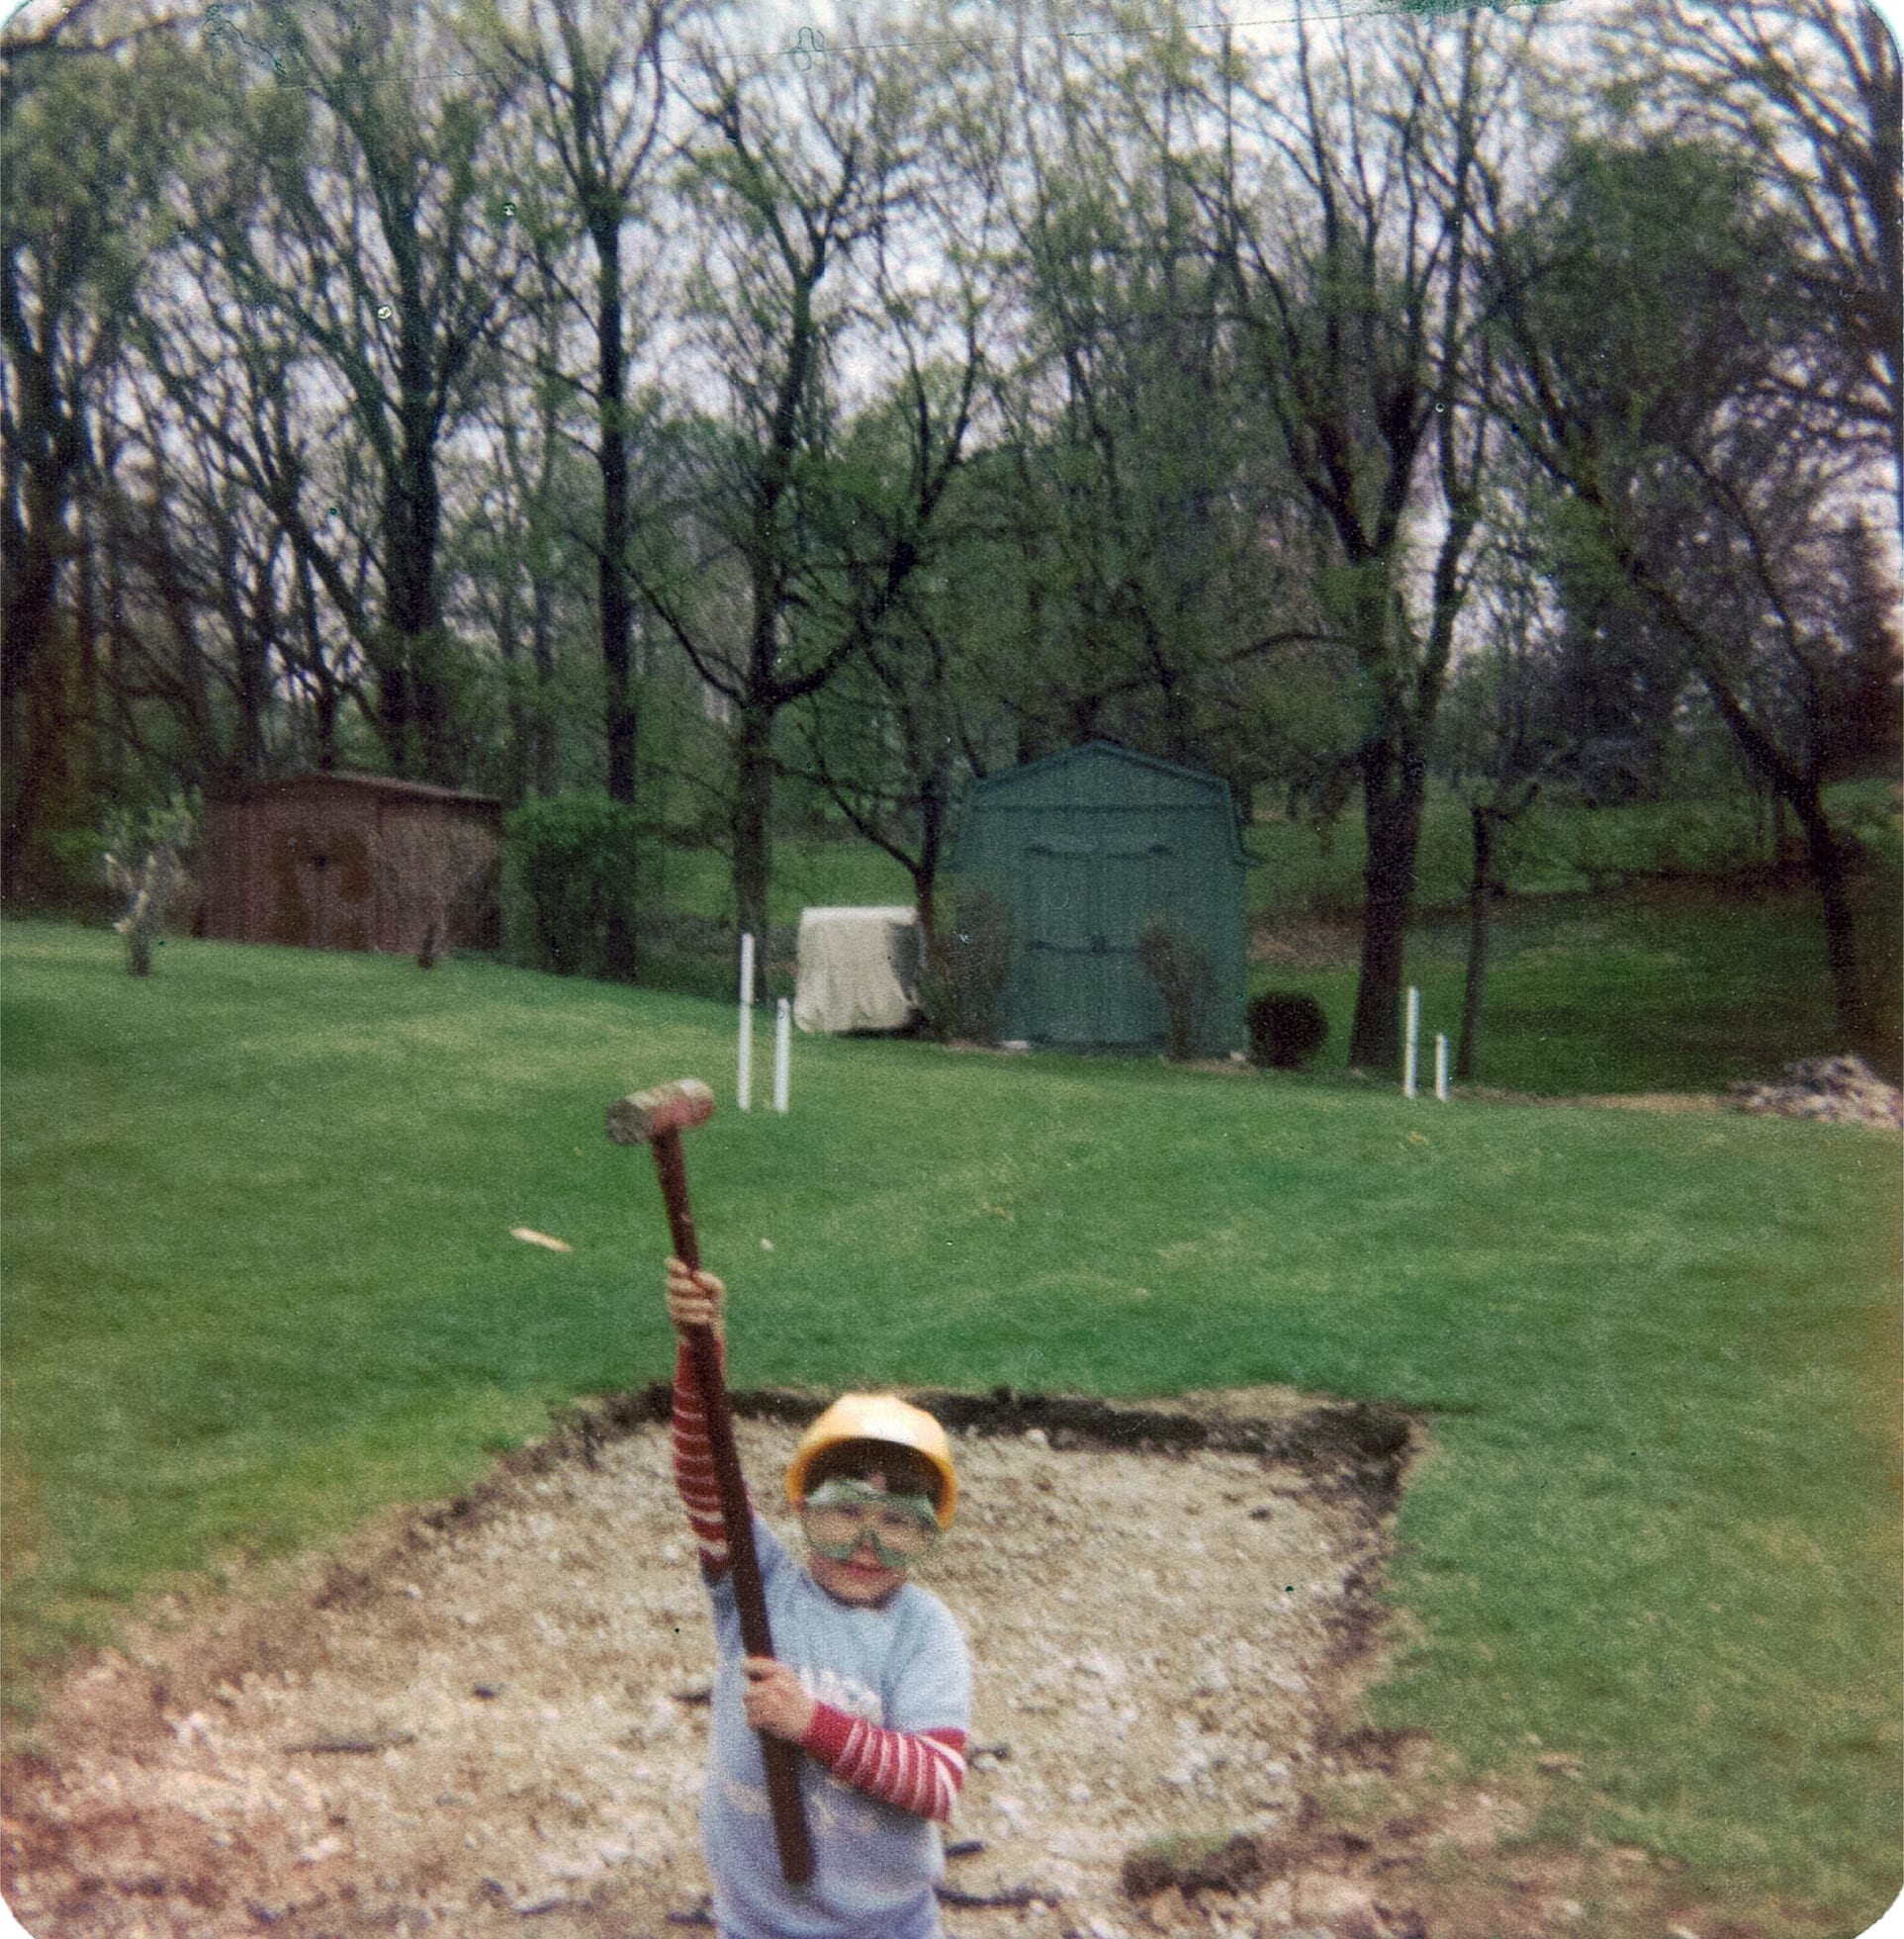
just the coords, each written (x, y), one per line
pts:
(322, 886)
(1088, 901)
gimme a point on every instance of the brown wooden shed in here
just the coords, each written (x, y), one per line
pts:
(352, 862)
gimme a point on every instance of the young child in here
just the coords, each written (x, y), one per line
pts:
(871, 1679)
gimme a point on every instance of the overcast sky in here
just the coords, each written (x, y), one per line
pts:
(836, 16)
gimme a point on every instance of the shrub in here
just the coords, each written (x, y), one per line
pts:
(144, 866)
(574, 860)
(960, 993)
(1184, 979)
(1286, 1028)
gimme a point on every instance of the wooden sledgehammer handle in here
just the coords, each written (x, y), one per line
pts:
(783, 1759)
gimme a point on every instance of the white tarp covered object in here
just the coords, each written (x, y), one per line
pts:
(857, 970)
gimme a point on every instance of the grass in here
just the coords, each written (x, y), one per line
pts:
(1687, 981)
(809, 872)
(1689, 976)
(1686, 988)
(259, 1282)
(1559, 848)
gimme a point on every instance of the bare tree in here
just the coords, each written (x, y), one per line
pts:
(355, 216)
(513, 545)
(886, 738)
(790, 186)
(885, 743)
(602, 95)
(1808, 93)
(1497, 747)
(1352, 260)
(1144, 504)
(88, 116)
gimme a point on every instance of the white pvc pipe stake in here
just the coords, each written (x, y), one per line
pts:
(782, 1050)
(1413, 1043)
(1441, 1068)
(744, 1075)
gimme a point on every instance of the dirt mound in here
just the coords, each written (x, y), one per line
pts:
(1837, 1089)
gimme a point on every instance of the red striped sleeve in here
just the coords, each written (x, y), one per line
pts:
(694, 1466)
(920, 1772)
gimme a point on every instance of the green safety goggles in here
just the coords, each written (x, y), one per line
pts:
(842, 1515)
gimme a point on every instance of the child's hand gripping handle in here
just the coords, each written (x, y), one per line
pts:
(657, 1118)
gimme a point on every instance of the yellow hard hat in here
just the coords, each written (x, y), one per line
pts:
(876, 1417)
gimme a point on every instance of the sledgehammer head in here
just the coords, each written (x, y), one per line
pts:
(652, 1114)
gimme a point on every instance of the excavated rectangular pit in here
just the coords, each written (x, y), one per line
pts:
(493, 1719)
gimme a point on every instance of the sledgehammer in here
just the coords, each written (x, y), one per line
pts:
(657, 1118)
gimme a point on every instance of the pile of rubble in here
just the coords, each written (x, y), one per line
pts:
(1839, 1089)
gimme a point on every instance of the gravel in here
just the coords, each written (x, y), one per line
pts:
(493, 1719)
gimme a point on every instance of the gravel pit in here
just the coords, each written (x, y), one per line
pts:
(490, 1717)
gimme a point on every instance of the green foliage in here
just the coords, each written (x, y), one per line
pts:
(1185, 981)
(1286, 1029)
(144, 863)
(1652, 368)
(575, 858)
(1681, 231)
(960, 993)
(126, 833)
(810, 873)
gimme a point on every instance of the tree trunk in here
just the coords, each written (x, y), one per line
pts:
(925, 897)
(617, 612)
(753, 813)
(416, 714)
(44, 781)
(252, 645)
(516, 768)
(542, 768)
(87, 739)
(42, 461)
(328, 697)
(934, 805)
(1482, 821)
(392, 719)
(1798, 787)
(1392, 786)
(31, 756)
(622, 717)
(1825, 857)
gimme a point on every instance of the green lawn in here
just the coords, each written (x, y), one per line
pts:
(1686, 990)
(1558, 849)
(1685, 984)
(258, 1281)
(1687, 976)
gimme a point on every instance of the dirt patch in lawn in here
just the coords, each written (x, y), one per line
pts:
(1300, 946)
(490, 1717)
(1663, 1101)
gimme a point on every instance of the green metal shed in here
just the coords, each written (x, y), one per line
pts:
(1084, 849)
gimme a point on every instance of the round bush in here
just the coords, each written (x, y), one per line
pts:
(576, 857)
(1287, 1028)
